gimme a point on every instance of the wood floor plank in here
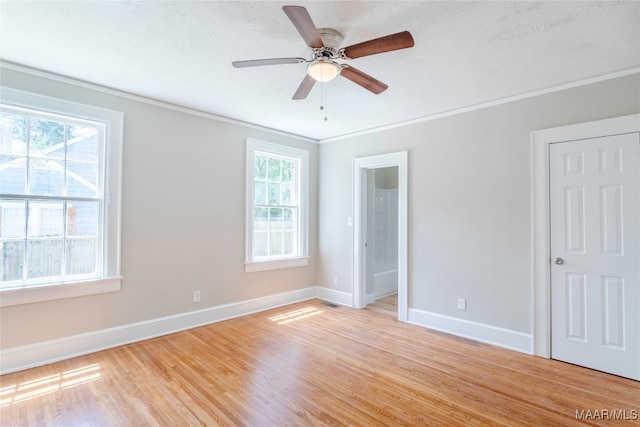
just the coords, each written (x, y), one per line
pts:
(310, 364)
(387, 304)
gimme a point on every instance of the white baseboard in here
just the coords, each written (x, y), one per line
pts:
(29, 356)
(386, 294)
(501, 337)
(371, 298)
(385, 284)
(337, 297)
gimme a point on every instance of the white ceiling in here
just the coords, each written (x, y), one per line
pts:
(466, 53)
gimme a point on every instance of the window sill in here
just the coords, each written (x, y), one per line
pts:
(27, 295)
(251, 266)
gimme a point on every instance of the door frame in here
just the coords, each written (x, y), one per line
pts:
(541, 242)
(360, 167)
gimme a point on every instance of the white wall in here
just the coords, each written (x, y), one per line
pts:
(182, 221)
(469, 201)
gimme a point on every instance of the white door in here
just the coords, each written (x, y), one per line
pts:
(595, 253)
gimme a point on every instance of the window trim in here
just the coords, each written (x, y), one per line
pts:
(114, 134)
(250, 265)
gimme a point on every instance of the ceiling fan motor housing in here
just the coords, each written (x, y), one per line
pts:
(332, 40)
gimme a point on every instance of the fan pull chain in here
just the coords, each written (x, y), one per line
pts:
(323, 100)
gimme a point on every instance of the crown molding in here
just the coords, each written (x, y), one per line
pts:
(492, 103)
(139, 98)
(499, 101)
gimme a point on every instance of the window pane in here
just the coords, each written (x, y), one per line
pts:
(275, 219)
(82, 143)
(11, 260)
(287, 169)
(44, 258)
(81, 256)
(46, 177)
(260, 244)
(275, 244)
(13, 134)
(260, 192)
(274, 193)
(261, 167)
(12, 219)
(289, 219)
(46, 219)
(260, 219)
(46, 139)
(82, 179)
(13, 174)
(287, 190)
(83, 218)
(274, 169)
(288, 243)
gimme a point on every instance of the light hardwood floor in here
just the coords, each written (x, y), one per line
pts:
(388, 304)
(311, 364)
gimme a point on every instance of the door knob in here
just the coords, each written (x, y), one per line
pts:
(559, 261)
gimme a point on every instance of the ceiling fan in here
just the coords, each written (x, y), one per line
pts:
(323, 65)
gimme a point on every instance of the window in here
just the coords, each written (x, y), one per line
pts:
(60, 166)
(277, 212)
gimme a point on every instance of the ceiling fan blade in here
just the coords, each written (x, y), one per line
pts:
(363, 79)
(271, 61)
(304, 88)
(305, 26)
(388, 43)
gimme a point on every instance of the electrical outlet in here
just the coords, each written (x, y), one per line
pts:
(462, 304)
(196, 296)
(335, 281)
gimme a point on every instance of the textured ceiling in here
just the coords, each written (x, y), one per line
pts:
(466, 53)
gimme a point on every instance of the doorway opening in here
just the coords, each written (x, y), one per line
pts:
(380, 239)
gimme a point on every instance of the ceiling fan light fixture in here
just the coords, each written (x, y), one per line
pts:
(323, 71)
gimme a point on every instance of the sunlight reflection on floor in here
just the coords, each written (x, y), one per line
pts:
(30, 389)
(295, 315)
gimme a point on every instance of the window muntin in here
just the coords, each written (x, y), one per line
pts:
(51, 197)
(277, 198)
